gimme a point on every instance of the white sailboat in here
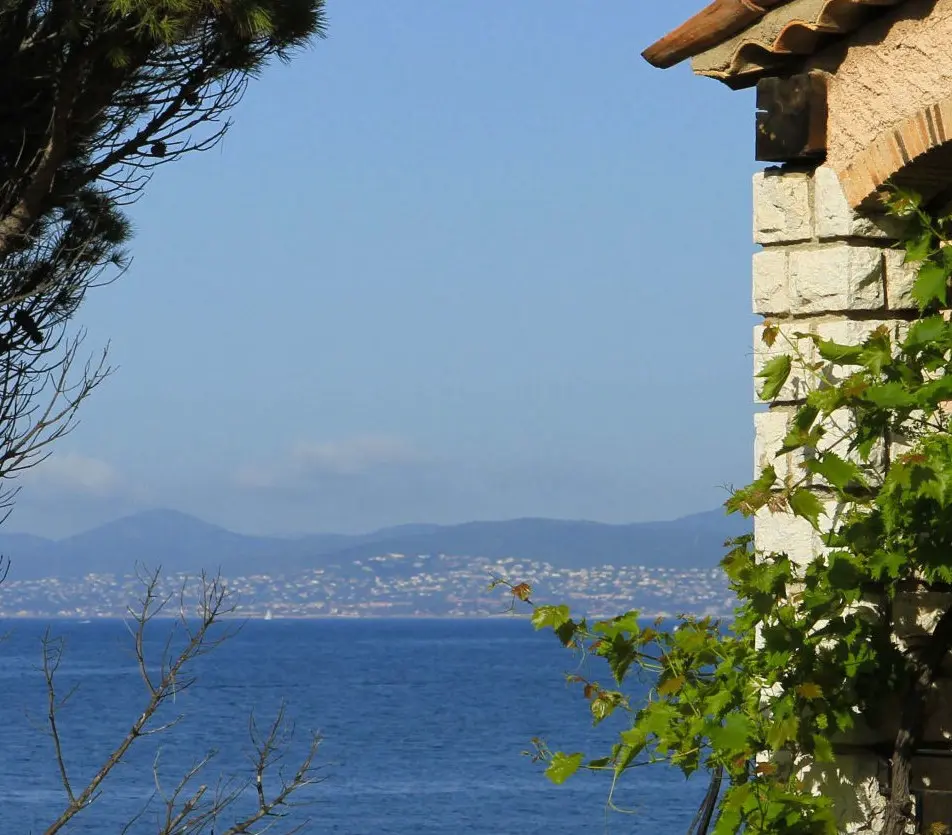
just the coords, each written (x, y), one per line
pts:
(268, 615)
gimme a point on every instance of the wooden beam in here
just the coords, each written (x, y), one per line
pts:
(791, 118)
(708, 28)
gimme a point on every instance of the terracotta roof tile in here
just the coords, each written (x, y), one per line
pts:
(739, 41)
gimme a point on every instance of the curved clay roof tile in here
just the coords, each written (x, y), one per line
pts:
(800, 29)
(755, 34)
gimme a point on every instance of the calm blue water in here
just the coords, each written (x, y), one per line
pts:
(424, 724)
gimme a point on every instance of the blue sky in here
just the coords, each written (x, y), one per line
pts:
(459, 261)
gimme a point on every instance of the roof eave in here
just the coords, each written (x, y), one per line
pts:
(710, 27)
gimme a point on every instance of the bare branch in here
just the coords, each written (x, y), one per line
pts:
(52, 656)
(172, 679)
(191, 805)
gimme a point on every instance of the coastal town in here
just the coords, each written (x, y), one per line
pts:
(396, 585)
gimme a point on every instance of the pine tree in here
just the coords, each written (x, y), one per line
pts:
(94, 94)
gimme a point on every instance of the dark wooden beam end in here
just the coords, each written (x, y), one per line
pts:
(791, 118)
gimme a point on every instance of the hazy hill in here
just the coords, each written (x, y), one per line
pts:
(689, 542)
(180, 542)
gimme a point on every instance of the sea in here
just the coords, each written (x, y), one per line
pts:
(425, 726)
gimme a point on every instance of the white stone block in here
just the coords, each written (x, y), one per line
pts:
(836, 277)
(855, 331)
(899, 280)
(917, 614)
(784, 533)
(853, 782)
(770, 281)
(835, 219)
(770, 428)
(782, 207)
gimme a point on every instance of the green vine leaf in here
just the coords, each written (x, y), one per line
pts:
(748, 500)
(734, 735)
(823, 749)
(935, 393)
(619, 625)
(805, 504)
(892, 395)
(931, 286)
(919, 247)
(563, 766)
(774, 374)
(837, 471)
(550, 616)
(782, 731)
(839, 354)
(903, 202)
(926, 331)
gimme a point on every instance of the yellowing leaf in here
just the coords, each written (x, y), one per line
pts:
(810, 690)
(603, 706)
(671, 686)
(523, 591)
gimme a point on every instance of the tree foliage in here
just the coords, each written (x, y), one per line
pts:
(94, 94)
(815, 652)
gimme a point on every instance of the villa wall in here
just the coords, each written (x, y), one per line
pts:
(889, 99)
(824, 269)
(884, 73)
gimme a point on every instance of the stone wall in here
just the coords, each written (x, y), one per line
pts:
(823, 269)
(826, 270)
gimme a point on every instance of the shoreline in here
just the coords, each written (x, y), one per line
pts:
(78, 619)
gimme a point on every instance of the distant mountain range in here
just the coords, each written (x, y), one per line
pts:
(181, 543)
